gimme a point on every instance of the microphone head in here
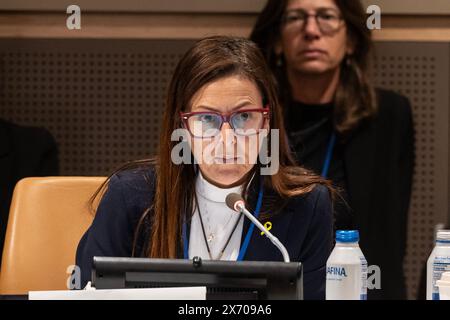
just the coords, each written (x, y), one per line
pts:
(234, 199)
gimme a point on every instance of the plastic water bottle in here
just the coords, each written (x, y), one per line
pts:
(438, 263)
(346, 269)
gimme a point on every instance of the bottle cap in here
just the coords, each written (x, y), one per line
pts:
(443, 236)
(347, 236)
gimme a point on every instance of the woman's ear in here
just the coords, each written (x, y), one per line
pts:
(349, 52)
(350, 45)
(278, 48)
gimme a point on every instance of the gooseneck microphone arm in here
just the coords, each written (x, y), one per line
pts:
(235, 202)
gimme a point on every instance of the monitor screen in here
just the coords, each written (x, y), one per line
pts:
(252, 280)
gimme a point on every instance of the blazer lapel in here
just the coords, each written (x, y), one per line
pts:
(260, 248)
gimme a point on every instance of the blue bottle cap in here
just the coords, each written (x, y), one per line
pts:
(347, 236)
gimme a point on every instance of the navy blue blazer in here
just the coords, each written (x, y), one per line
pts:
(304, 226)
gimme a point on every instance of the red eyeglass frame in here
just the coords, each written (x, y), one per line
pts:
(225, 117)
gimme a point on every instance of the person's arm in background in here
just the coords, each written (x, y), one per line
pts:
(318, 246)
(24, 152)
(36, 152)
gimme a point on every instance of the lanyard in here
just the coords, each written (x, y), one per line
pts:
(326, 164)
(244, 247)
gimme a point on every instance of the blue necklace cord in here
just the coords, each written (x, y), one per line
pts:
(185, 242)
(327, 162)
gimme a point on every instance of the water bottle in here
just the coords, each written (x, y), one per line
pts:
(346, 269)
(438, 263)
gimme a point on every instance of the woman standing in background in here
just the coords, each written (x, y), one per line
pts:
(340, 126)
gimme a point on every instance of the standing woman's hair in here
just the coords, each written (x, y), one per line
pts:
(355, 99)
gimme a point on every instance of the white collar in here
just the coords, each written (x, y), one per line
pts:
(211, 192)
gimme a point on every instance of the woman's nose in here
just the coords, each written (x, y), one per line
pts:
(227, 134)
(311, 29)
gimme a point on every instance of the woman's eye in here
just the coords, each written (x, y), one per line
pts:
(206, 118)
(294, 17)
(327, 16)
(244, 116)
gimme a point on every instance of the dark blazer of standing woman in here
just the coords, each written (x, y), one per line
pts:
(341, 127)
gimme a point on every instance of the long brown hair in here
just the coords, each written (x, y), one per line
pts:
(208, 60)
(355, 99)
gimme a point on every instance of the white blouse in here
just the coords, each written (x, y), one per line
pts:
(218, 220)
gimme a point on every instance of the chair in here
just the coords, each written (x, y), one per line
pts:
(48, 217)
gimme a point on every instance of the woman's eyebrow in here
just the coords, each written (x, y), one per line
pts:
(317, 9)
(237, 107)
(242, 105)
(327, 8)
(207, 108)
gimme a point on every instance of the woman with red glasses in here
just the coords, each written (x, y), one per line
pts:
(220, 102)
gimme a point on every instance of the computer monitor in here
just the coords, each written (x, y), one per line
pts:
(243, 280)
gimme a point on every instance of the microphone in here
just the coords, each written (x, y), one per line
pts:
(235, 202)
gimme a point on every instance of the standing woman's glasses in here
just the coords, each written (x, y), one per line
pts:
(328, 20)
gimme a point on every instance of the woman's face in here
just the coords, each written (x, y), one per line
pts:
(309, 46)
(226, 158)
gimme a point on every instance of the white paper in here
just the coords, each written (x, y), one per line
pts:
(184, 293)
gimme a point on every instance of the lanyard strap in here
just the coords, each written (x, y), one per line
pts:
(185, 242)
(326, 164)
(244, 247)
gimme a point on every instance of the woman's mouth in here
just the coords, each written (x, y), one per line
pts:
(228, 160)
(312, 53)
